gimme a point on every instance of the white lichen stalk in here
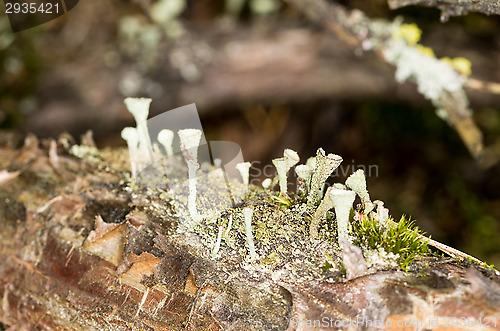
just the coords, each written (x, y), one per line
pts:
(382, 213)
(325, 165)
(166, 139)
(139, 108)
(192, 169)
(244, 169)
(357, 183)
(320, 213)
(342, 202)
(190, 142)
(304, 173)
(283, 165)
(132, 138)
(216, 248)
(247, 213)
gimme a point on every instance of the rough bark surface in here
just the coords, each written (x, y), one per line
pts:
(82, 250)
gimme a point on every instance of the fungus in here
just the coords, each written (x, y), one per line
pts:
(139, 108)
(192, 168)
(283, 165)
(357, 183)
(131, 136)
(324, 166)
(342, 201)
(244, 169)
(166, 138)
(217, 243)
(190, 141)
(247, 213)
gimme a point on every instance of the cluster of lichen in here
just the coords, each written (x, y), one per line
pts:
(411, 34)
(403, 238)
(203, 205)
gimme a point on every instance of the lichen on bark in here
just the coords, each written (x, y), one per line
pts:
(159, 278)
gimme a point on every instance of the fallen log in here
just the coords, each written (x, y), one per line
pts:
(84, 249)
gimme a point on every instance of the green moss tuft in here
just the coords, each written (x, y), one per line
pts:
(402, 238)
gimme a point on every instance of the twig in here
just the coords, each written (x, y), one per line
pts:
(354, 28)
(452, 7)
(450, 251)
(479, 85)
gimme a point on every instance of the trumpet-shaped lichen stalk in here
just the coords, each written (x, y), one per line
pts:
(304, 172)
(342, 201)
(357, 183)
(283, 165)
(166, 138)
(244, 169)
(247, 213)
(192, 168)
(325, 164)
(190, 141)
(132, 138)
(382, 214)
(139, 108)
(320, 213)
(230, 224)
(216, 248)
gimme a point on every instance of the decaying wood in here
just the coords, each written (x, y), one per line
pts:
(82, 250)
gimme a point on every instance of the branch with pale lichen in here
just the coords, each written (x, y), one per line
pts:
(452, 7)
(354, 28)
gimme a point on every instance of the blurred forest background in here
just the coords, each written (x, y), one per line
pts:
(267, 78)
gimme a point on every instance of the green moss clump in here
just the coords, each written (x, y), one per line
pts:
(402, 238)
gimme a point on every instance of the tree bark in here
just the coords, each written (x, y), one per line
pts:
(82, 250)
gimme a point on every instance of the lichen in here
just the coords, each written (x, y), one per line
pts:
(418, 63)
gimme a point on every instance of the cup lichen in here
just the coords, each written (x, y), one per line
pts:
(283, 165)
(247, 213)
(357, 183)
(190, 141)
(139, 108)
(244, 170)
(166, 138)
(325, 165)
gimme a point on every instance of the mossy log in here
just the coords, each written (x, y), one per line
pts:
(81, 249)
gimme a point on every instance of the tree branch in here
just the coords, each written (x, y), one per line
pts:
(452, 7)
(379, 35)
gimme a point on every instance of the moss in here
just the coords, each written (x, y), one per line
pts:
(402, 238)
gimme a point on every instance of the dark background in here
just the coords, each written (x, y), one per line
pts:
(269, 83)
